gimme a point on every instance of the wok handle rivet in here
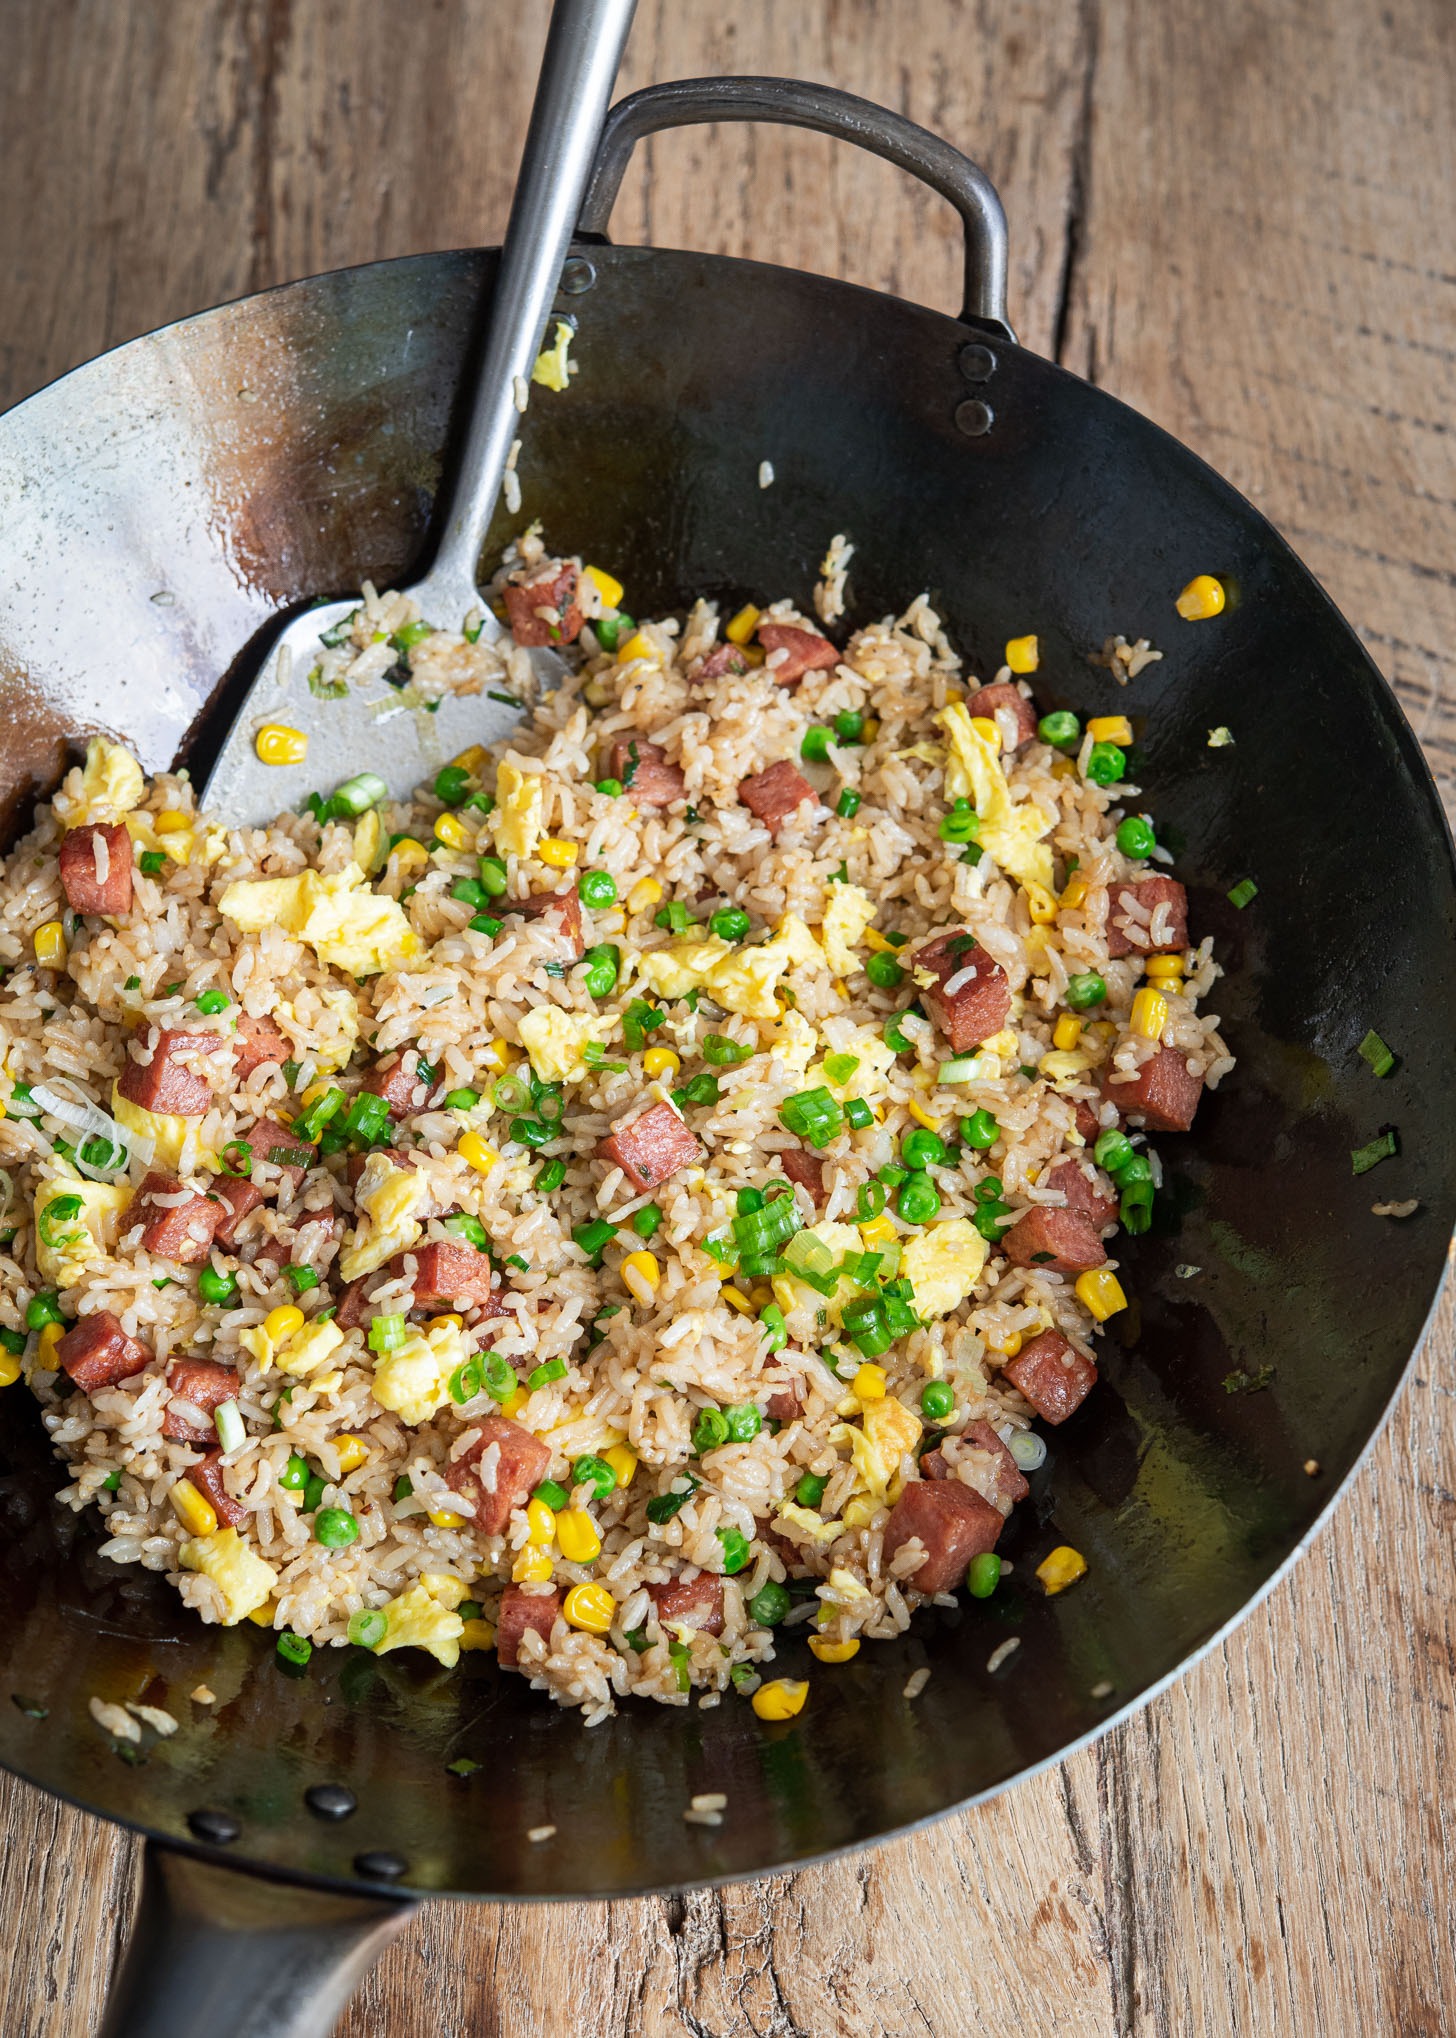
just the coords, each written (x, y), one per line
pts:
(974, 417)
(218, 1829)
(331, 1801)
(977, 363)
(381, 1865)
(578, 275)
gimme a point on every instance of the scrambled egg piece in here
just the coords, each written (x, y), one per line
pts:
(798, 944)
(515, 825)
(890, 1430)
(1065, 1067)
(683, 966)
(552, 369)
(109, 785)
(1010, 833)
(176, 843)
(848, 910)
(445, 1587)
(799, 1302)
(741, 980)
(238, 1572)
(943, 1265)
(66, 1245)
(388, 1199)
(794, 1042)
(876, 1059)
(813, 1524)
(310, 1348)
(341, 919)
(555, 1041)
(419, 1621)
(413, 1380)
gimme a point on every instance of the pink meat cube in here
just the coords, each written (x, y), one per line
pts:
(543, 609)
(804, 1169)
(397, 1081)
(238, 1198)
(1163, 1095)
(521, 1610)
(207, 1476)
(1136, 926)
(1088, 1192)
(198, 1386)
(652, 1148)
(85, 854)
(449, 1276)
(96, 1352)
(268, 1138)
(1000, 1477)
(776, 795)
(520, 1466)
(978, 1004)
(562, 909)
(1008, 707)
(952, 1522)
(785, 1404)
(808, 651)
(165, 1084)
(697, 1602)
(722, 658)
(644, 772)
(256, 1044)
(1059, 1240)
(1052, 1375)
(177, 1231)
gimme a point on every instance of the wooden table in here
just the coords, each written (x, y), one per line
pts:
(1239, 219)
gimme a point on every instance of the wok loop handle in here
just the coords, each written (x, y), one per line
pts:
(690, 102)
(231, 1954)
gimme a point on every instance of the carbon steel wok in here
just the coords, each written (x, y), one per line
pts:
(159, 505)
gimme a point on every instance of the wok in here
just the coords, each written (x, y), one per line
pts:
(161, 504)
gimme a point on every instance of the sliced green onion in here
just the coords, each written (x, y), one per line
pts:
(1366, 1157)
(815, 1115)
(593, 1238)
(551, 1177)
(387, 1333)
(723, 1052)
(858, 1113)
(1374, 1050)
(736, 1550)
(847, 805)
(663, 1506)
(368, 1627)
(356, 795)
(1242, 892)
(295, 1649)
(301, 1279)
(231, 1431)
(554, 1369)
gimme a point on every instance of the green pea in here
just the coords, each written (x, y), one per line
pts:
(590, 1470)
(883, 971)
(612, 787)
(213, 1285)
(710, 1430)
(984, 1575)
(1113, 1150)
(597, 888)
(1085, 990)
(769, 1605)
(849, 725)
(335, 1528)
(43, 1309)
(1061, 729)
(213, 1001)
(810, 1489)
(922, 1148)
(961, 824)
(919, 1200)
(462, 1100)
(1106, 764)
(294, 1476)
(493, 879)
(815, 747)
(730, 923)
(646, 1220)
(1135, 837)
(980, 1130)
(744, 1421)
(603, 964)
(991, 1220)
(937, 1400)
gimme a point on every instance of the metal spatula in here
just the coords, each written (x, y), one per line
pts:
(349, 735)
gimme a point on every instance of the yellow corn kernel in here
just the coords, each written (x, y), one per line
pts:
(870, 728)
(1040, 903)
(869, 1383)
(496, 1054)
(558, 854)
(452, 831)
(1007, 1342)
(576, 1532)
(516, 1402)
(282, 1323)
(879, 1231)
(736, 1299)
(1164, 966)
(1201, 598)
(780, 1699)
(473, 760)
(646, 892)
(922, 1117)
(1023, 654)
(49, 1338)
(262, 1616)
(477, 1635)
(532, 1566)
(446, 1323)
(172, 822)
(195, 1512)
(353, 1452)
(638, 645)
(473, 1149)
(833, 1652)
(276, 743)
(1171, 987)
(9, 1368)
(540, 1524)
(873, 938)
(1062, 1568)
(623, 1461)
(1110, 729)
(1064, 767)
(743, 625)
(986, 729)
(1067, 1031)
(1101, 1292)
(50, 944)
(611, 593)
(408, 856)
(1076, 889)
(642, 1275)
(1149, 1013)
(590, 1608)
(445, 1517)
(660, 1061)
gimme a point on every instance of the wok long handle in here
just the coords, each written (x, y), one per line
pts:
(688, 102)
(584, 45)
(232, 1955)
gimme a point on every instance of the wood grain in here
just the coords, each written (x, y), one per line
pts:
(1241, 222)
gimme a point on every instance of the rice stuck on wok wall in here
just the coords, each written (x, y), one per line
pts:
(629, 1203)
